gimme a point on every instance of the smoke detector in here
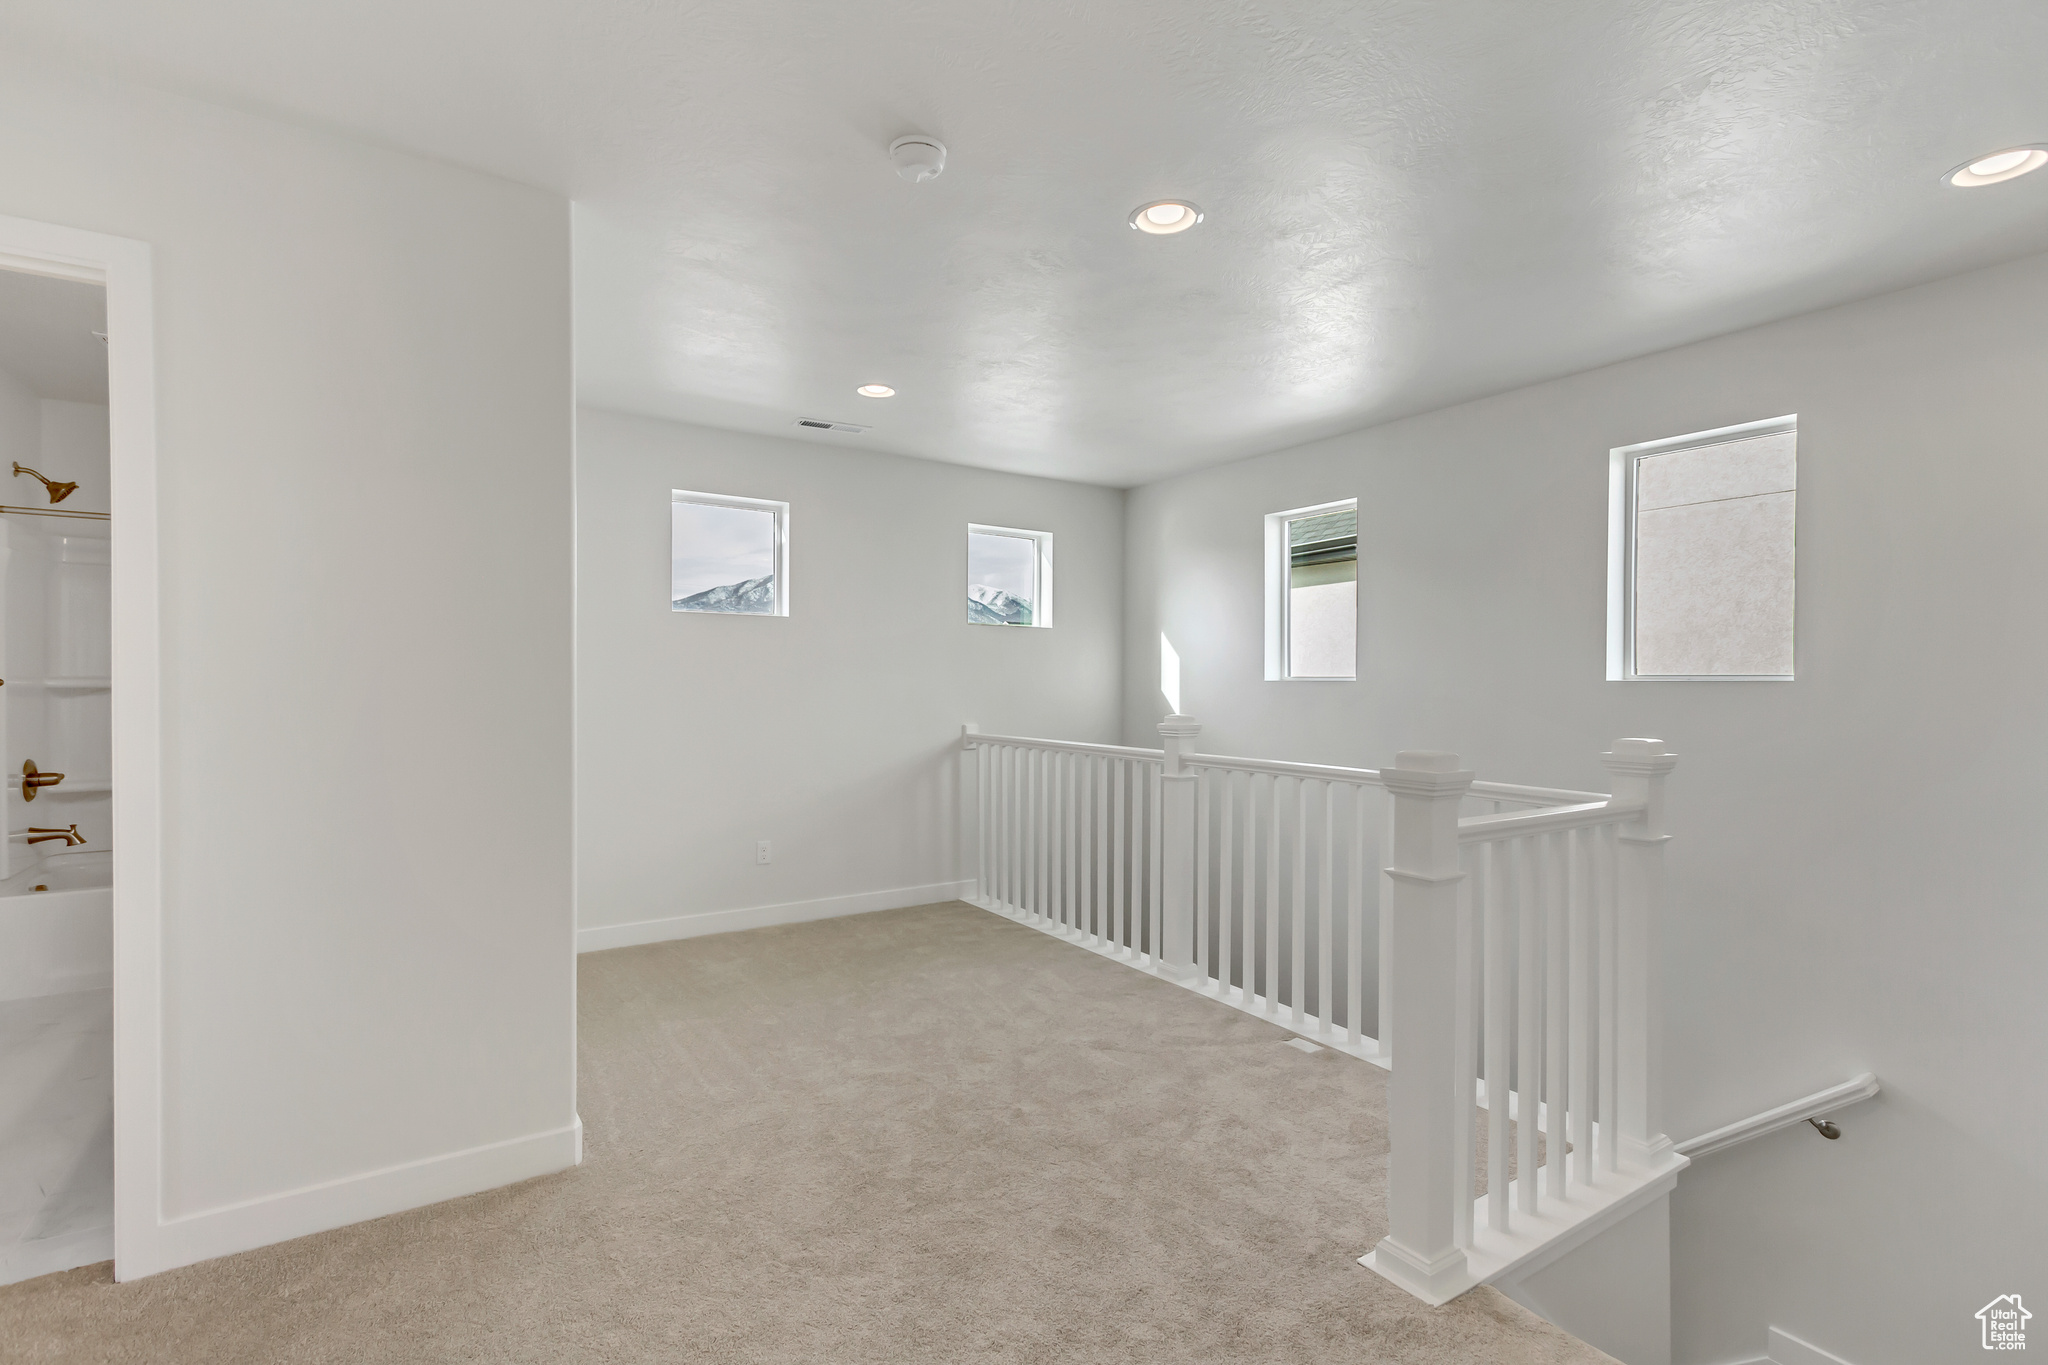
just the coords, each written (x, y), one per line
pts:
(814, 424)
(918, 157)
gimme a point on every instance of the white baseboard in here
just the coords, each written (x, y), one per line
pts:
(598, 937)
(1787, 1349)
(336, 1203)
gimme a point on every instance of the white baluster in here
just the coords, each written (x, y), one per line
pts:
(1556, 988)
(1051, 838)
(1386, 938)
(1272, 974)
(1202, 786)
(1325, 911)
(1024, 760)
(1423, 1103)
(1077, 855)
(1055, 831)
(1003, 833)
(1639, 767)
(1354, 940)
(1247, 912)
(1070, 832)
(1070, 840)
(1499, 1007)
(1297, 970)
(1098, 789)
(1013, 833)
(1227, 835)
(1610, 1054)
(1155, 841)
(1580, 1061)
(1465, 1052)
(1027, 829)
(1528, 1021)
(1082, 764)
(1055, 765)
(1119, 890)
(1020, 819)
(1042, 814)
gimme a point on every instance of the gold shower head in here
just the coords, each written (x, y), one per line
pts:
(58, 491)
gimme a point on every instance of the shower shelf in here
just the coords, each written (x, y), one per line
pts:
(64, 684)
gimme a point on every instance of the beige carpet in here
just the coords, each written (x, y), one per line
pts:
(927, 1135)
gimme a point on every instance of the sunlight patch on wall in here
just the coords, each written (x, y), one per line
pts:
(1169, 674)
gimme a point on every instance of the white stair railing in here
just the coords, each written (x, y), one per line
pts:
(1516, 952)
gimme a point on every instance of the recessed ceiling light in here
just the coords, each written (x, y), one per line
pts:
(1168, 215)
(875, 391)
(1989, 170)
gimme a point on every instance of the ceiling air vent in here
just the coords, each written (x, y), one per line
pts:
(814, 424)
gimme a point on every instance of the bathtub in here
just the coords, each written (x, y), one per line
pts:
(61, 939)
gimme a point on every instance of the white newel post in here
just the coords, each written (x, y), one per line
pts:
(1177, 846)
(972, 860)
(1639, 767)
(1420, 1250)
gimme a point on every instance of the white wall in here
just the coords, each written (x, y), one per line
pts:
(1858, 872)
(21, 432)
(74, 439)
(832, 732)
(365, 418)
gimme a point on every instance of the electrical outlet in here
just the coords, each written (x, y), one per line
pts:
(762, 852)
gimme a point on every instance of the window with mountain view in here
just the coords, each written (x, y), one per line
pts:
(728, 555)
(1009, 577)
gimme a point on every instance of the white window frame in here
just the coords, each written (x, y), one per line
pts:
(1279, 564)
(1041, 579)
(781, 516)
(1621, 549)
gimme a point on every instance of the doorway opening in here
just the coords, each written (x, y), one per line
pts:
(80, 656)
(56, 760)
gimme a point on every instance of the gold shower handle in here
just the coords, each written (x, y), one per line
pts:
(33, 781)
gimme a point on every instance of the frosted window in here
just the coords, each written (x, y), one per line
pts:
(725, 555)
(1713, 559)
(1322, 595)
(1006, 577)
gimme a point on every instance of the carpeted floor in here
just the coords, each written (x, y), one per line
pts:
(913, 1138)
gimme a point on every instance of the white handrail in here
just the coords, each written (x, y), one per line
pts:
(1533, 796)
(1322, 772)
(1479, 829)
(969, 741)
(1812, 1106)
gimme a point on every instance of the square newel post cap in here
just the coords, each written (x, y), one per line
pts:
(1425, 772)
(1177, 738)
(1645, 757)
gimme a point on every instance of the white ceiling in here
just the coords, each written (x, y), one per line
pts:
(46, 336)
(1410, 202)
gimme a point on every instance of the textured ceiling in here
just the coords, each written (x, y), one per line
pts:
(1408, 203)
